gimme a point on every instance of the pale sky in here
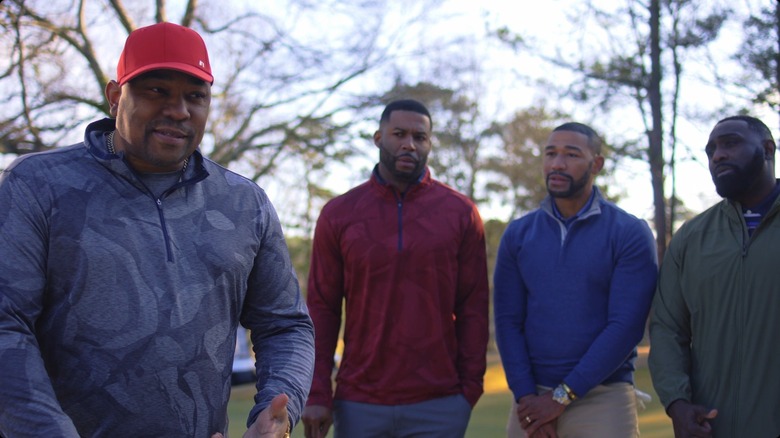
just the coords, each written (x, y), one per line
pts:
(548, 28)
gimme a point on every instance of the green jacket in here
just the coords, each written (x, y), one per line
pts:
(716, 320)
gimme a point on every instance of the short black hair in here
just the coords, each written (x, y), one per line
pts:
(754, 124)
(405, 105)
(594, 140)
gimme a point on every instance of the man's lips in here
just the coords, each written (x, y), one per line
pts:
(172, 136)
(173, 133)
(725, 169)
(406, 161)
(558, 179)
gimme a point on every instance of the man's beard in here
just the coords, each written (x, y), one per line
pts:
(737, 183)
(389, 161)
(574, 186)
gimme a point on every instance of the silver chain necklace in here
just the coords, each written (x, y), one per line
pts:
(112, 151)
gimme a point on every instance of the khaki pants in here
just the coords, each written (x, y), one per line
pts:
(607, 411)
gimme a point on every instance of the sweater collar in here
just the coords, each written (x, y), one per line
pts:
(423, 180)
(592, 207)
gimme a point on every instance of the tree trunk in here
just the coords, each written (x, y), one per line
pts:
(777, 39)
(655, 136)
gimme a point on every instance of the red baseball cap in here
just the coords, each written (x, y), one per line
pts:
(164, 46)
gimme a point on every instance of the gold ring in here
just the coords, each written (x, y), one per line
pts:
(528, 419)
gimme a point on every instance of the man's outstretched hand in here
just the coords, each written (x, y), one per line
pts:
(272, 422)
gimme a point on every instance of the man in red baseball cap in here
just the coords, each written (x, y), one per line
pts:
(162, 129)
(128, 262)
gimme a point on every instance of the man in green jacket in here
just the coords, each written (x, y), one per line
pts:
(713, 333)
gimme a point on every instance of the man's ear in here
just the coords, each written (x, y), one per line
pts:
(598, 164)
(769, 150)
(113, 92)
(377, 138)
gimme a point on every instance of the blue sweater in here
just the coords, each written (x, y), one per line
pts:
(571, 305)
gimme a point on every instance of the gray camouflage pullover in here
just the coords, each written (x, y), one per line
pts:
(118, 310)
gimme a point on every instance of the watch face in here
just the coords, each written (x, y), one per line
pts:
(559, 395)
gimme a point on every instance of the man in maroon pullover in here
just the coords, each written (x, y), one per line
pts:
(404, 256)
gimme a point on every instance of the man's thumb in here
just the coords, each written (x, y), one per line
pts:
(279, 406)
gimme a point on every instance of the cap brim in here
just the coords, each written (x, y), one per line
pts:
(184, 68)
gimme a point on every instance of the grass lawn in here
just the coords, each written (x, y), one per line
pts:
(490, 415)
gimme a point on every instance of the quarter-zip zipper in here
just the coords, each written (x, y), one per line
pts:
(746, 239)
(158, 203)
(400, 210)
(164, 226)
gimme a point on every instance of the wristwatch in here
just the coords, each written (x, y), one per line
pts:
(563, 395)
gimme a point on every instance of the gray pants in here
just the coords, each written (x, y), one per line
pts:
(445, 417)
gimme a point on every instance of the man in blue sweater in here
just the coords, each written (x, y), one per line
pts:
(573, 284)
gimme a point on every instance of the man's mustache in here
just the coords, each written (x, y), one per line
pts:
(561, 174)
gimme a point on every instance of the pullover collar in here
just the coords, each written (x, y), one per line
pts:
(590, 208)
(422, 181)
(95, 141)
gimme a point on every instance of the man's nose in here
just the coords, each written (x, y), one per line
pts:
(407, 143)
(558, 162)
(719, 154)
(176, 108)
